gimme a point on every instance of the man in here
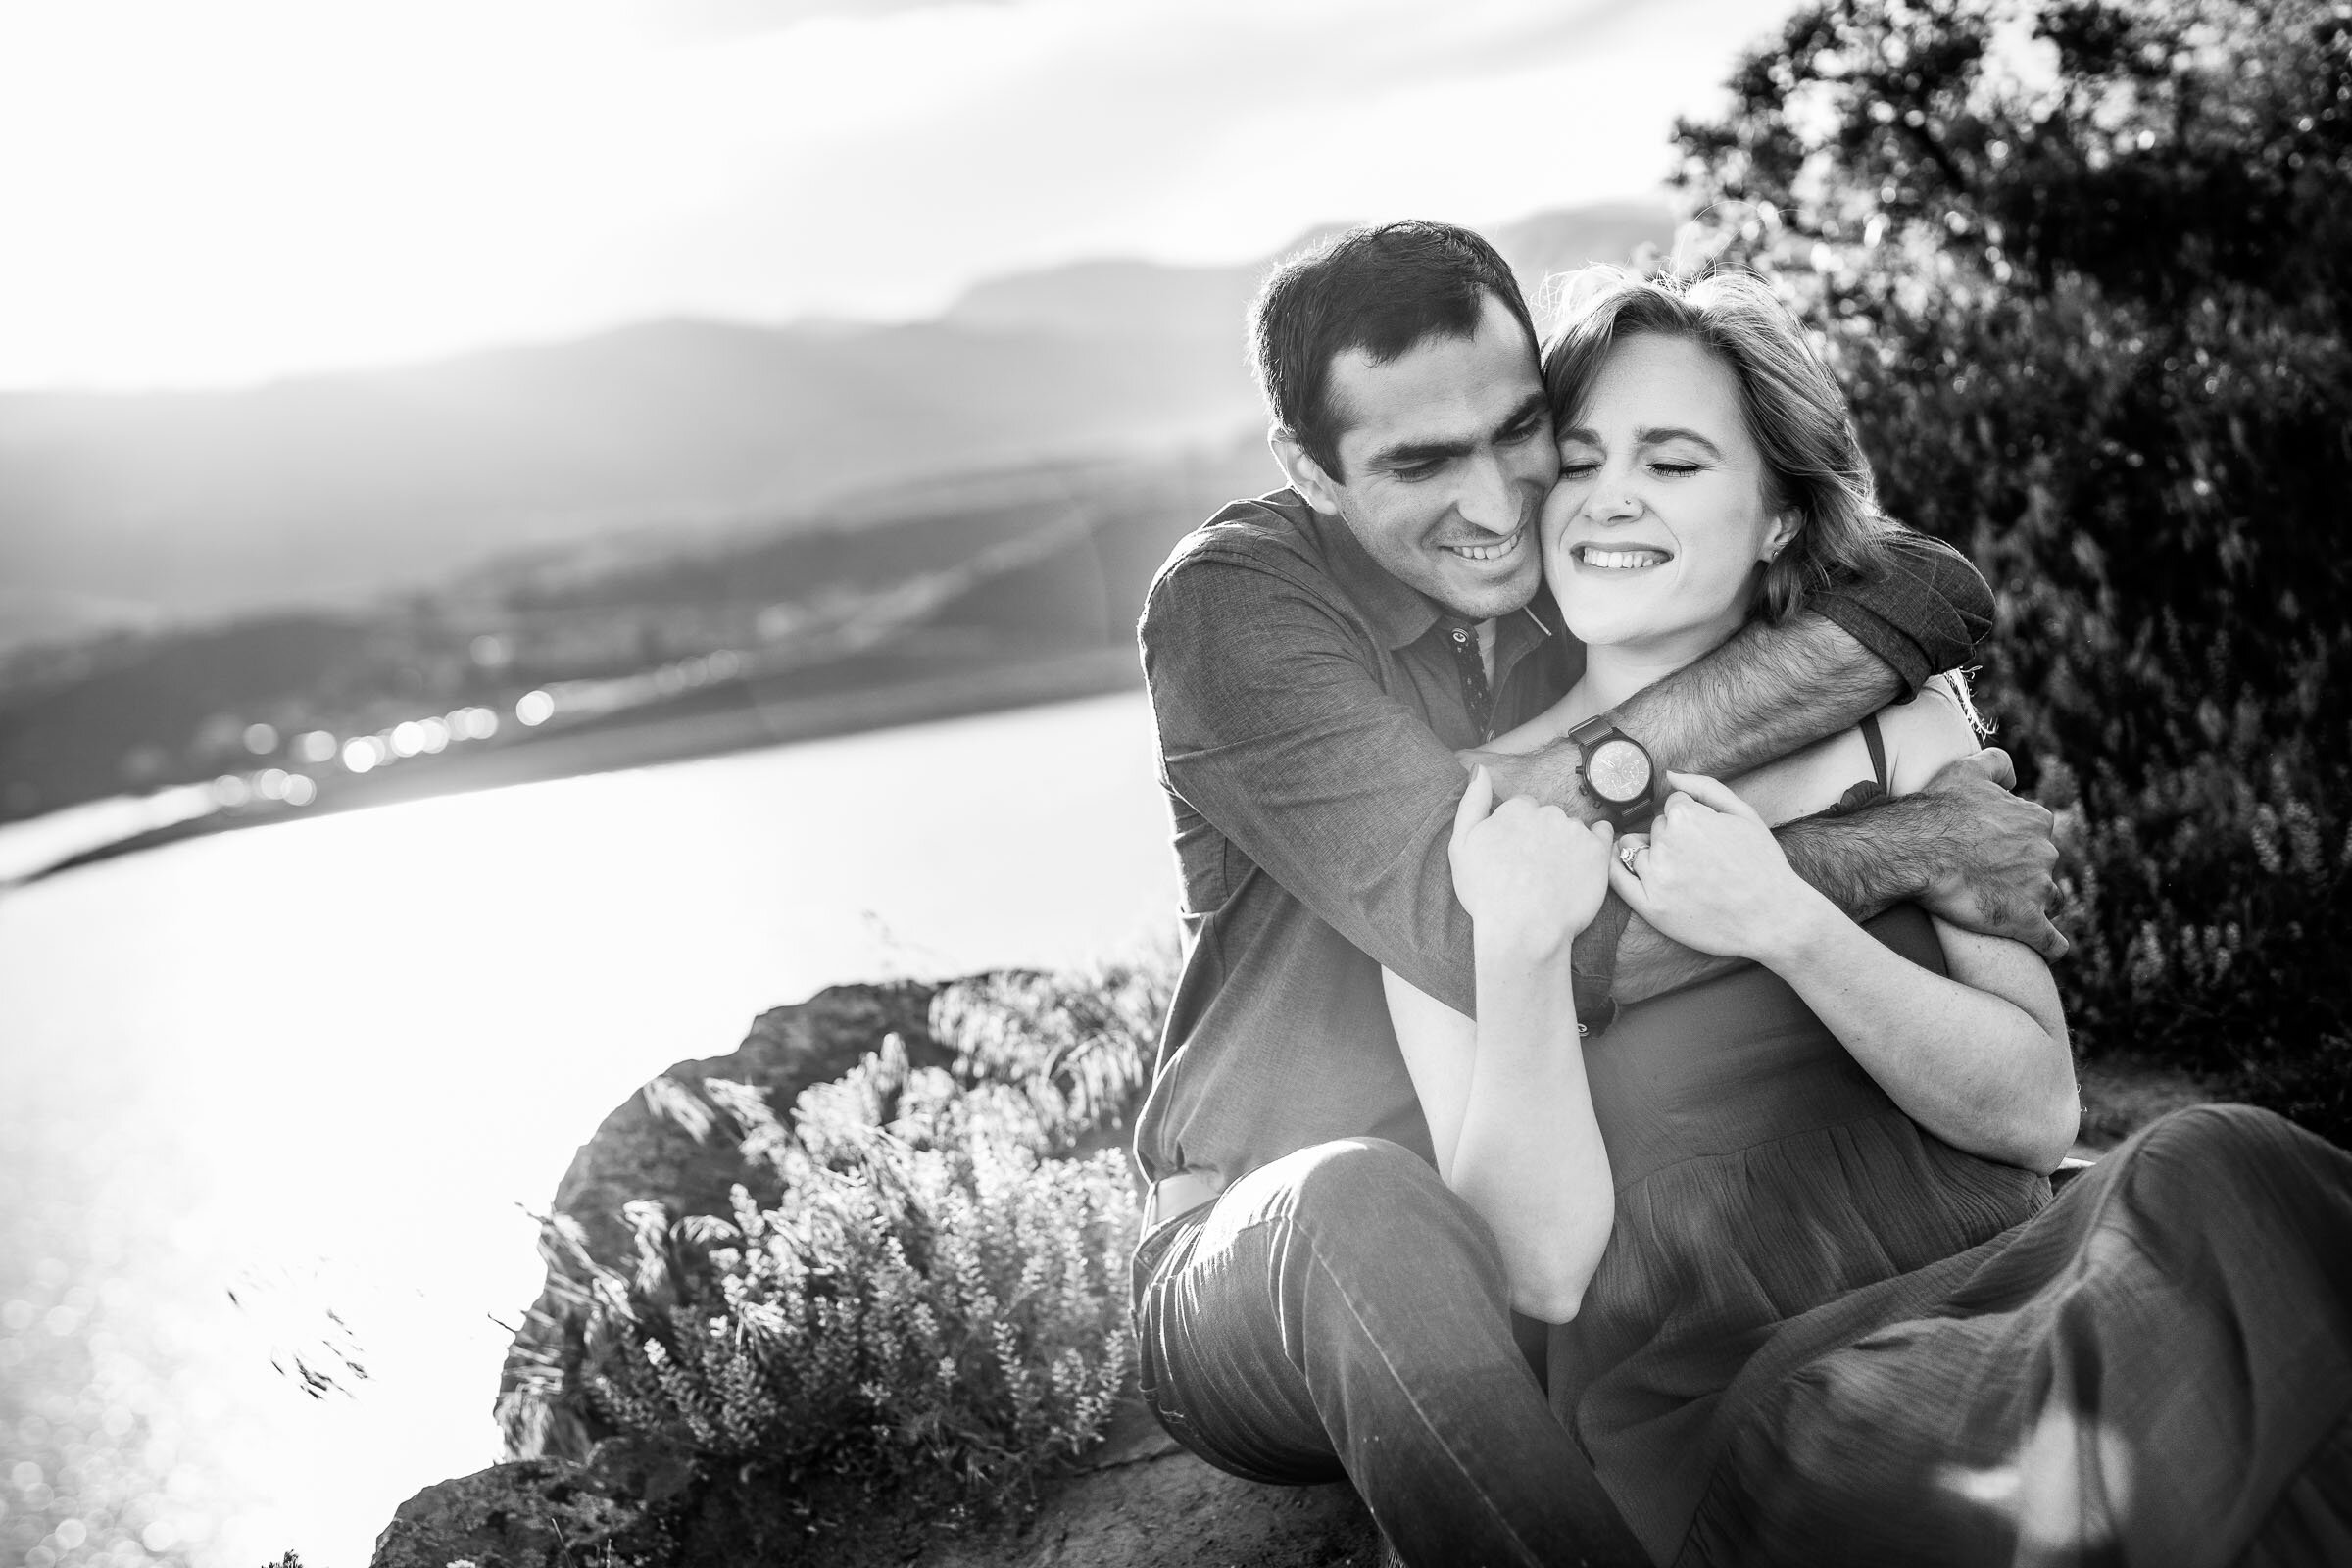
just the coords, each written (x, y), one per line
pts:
(1311, 1301)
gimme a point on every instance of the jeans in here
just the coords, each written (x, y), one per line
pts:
(1340, 1312)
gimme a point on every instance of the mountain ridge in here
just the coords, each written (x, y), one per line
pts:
(163, 507)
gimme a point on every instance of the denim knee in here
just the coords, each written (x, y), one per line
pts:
(1367, 1199)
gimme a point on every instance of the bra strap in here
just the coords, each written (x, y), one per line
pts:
(1878, 749)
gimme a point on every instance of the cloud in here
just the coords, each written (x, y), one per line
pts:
(1211, 130)
(725, 19)
(261, 185)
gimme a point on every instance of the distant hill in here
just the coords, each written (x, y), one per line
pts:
(133, 508)
(974, 591)
(1107, 297)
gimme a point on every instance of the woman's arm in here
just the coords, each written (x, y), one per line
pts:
(1510, 1114)
(1980, 1058)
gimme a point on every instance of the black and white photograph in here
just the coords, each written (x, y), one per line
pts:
(1130, 784)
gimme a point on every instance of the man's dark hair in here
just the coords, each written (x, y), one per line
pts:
(1380, 289)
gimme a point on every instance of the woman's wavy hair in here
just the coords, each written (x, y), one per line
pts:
(1796, 413)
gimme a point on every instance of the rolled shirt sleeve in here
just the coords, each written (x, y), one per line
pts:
(1926, 612)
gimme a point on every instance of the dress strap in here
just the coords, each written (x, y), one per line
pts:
(1878, 749)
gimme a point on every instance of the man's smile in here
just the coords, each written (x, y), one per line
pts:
(1490, 549)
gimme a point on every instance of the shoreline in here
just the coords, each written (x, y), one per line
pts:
(712, 722)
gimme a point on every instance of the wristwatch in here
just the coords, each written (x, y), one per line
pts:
(1618, 773)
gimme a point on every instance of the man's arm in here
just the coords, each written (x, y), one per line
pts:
(1274, 726)
(1966, 848)
(1926, 611)
(1766, 693)
(1772, 689)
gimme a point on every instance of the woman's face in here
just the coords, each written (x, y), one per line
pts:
(1654, 533)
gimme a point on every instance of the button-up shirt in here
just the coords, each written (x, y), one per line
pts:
(1308, 707)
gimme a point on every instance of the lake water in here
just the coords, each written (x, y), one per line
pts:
(330, 1066)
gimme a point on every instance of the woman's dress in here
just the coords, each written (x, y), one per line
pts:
(1820, 1335)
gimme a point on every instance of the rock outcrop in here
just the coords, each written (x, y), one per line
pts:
(1140, 1504)
(652, 1144)
(668, 1141)
(576, 1493)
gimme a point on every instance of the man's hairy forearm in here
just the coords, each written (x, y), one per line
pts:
(1867, 859)
(1766, 693)
(1762, 695)
(1651, 963)
(1864, 862)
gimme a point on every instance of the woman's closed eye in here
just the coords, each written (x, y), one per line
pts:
(1664, 467)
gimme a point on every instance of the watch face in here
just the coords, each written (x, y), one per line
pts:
(1618, 771)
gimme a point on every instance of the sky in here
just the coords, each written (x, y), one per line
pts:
(241, 189)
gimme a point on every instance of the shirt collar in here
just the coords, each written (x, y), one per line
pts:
(1528, 627)
(1400, 613)
(1397, 613)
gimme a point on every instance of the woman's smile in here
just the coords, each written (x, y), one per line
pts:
(1653, 535)
(1618, 557)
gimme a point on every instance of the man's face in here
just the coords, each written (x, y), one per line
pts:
(1448, 455)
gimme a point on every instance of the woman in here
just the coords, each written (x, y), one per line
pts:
(1826, 1309)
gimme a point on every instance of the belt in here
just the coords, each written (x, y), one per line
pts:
(1176, 1194)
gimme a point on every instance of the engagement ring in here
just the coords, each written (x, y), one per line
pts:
(1626, 854)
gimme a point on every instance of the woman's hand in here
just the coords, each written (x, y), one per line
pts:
(1529, 875)
(1710, 875)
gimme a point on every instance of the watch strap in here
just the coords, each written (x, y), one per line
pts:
(1598, 728)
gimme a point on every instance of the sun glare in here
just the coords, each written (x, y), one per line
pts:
(254, 185)
(257, 188)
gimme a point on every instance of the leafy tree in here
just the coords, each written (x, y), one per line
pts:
(2085, 268)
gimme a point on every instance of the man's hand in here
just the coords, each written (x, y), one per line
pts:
(1550, 774)
(1994, 876)
(1528, 875)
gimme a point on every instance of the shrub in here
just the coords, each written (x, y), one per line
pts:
(1080, 1050)
(2085, 268)
(940, 1294)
